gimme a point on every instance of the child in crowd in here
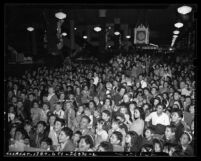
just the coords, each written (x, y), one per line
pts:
(58, 111)
(76, 138)
(116, 140)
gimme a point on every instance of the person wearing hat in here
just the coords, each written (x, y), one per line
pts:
(185, 149)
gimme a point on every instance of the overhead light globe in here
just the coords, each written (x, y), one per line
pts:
(128, 36)
(184, 10)
(64, 34)
(176, 32)
(178, 25)
(30, 29)
(60, 15)
(117, 33)
(85, 37)
(97, 29)
(75, 28)
(175, 36)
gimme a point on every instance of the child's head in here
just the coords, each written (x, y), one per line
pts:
(185, 138)
(105, 147)
(19, 134)
(87, 111)
(160, 108)
(58, 106)
(27, 126)
(147, 148)
(132, 138)
(58, 124)
(84, 123)
(158, 145)
(123, 110)
(116, 124)
(176, 115)
(120, 117)
(139, 113)
(85, 143)
(65, 134)
(46, 106)
(170, 131)
(81, 109)
(106, 115)
(46, 143)
(149, 133)
(76, 136)
(100, 124)
(41, 126)
(116, 138)
(132, 106)
(52, 119)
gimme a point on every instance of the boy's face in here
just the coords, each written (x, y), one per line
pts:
(57, 126)
(159, 110)
(62, 137)
(58, 107)
(157, 147)
(113, 139)
(105, 117)
(114, 125)
(175, 117)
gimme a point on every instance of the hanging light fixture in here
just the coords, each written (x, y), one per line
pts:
(60, 15)
(97, 29)
(75, 28)
(128, 36)
(84, 37)
(64, 34)
(117, 33)
(178, 25)
(176, 32)
(30, 29)
(175, 36)
(184, 10)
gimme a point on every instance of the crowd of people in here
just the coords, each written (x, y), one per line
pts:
(131, 103)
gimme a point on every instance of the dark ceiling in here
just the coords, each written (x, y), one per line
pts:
(161, 18)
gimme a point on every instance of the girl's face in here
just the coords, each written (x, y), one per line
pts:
(136, 114)
(27, 127)
(126, 98)
(99, 126)
(52, 120)
(184, 140)
(114, 126)
(157, 147)
(68, 105)
(40, 128)
(128, 139)
(168, 133)
(62, 137)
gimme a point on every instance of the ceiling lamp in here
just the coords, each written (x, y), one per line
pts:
(128, 36)
(184, 10)
(85, 37)
(97, 29)
(64, 34)
(60, 15)
(117, 33)
(30, 29)
(178, 25)
(176, 32)
(75, 28)
(175, 36)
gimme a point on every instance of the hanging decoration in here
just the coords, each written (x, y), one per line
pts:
(59, 34)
